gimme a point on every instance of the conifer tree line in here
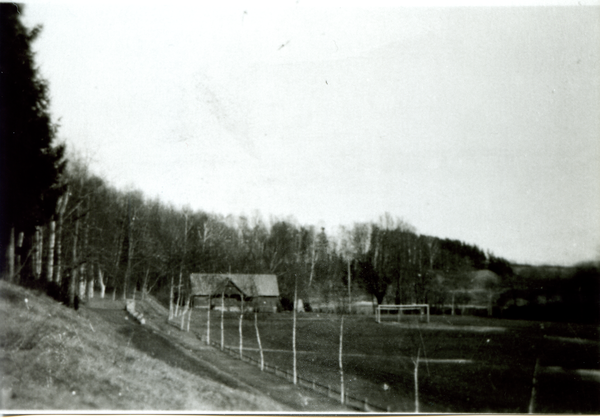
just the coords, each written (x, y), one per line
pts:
(66, 229)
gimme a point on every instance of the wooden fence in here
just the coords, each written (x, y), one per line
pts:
(357, 403)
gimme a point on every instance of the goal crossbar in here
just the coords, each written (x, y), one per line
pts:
(400, 308)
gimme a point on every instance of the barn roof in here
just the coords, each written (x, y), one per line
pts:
(204, 284)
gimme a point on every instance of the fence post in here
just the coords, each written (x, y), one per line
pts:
(417, 381)
(222, 314)
(313, 385)
(366, 404)
(208, 323)
(241, 336)
(533, 386)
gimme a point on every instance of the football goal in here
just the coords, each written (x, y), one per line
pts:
(398, 309)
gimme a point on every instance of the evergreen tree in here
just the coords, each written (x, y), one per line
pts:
(30, 164)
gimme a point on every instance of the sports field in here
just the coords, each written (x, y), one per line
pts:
(466, 364)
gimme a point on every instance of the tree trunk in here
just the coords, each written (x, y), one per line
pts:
(145, 285)
(171, 297)
(312, 265)
(417, 381)
(73, 280)
(101, 281)
(262, 356)
(82, 284)
(191, 305)
(398, 298)
(59, 227)
(294, 330)
(85, 253)
(178, 294)
(119, 249)
(18, 267)
(341, 364)
(90, 287)
(531, 408)
(50, 262)
(58, 271)
(208, 323)
(39, 248)
(10, 255)
(349, 288)
(222, 324)
(241, 335)
(129, 252)
(183, 312)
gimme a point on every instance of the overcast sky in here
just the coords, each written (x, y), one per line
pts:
(478, 124)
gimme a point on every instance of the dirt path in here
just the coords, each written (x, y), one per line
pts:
(165, 342)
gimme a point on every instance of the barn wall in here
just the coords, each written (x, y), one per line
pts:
(265, 304)
(260, 304)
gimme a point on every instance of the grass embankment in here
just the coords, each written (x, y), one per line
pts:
(55, 358)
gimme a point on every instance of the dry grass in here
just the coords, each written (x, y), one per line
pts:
(54, 358)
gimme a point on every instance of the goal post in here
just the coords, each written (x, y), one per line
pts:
(400, 308)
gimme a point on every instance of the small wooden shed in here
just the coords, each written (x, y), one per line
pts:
(254, 292)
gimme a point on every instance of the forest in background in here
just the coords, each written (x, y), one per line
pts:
(69, 231)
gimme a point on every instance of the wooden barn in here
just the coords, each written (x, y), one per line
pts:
(248, 292)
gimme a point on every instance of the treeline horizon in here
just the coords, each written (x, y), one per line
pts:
(121, 240)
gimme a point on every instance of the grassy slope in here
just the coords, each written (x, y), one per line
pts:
(54, 358)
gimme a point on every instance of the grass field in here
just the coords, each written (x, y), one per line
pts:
(54, 358)
(467, 364)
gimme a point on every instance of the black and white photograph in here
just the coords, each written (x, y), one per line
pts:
(299, 207)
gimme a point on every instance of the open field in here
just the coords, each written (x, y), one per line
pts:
(54, 358)
(467, 364)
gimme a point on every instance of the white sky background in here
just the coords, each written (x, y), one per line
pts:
(478, 124)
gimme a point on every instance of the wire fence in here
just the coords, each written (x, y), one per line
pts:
(334, 393)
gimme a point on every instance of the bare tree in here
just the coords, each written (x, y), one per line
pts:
(294, 332)
(130, 247)
(340, 360)
(101, 282)
(179, 288)
(61, 208)
(262, 356)
(74, 269)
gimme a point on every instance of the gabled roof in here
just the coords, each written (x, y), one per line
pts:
(204, 284)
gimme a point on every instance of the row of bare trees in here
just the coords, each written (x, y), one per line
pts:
(105, 239)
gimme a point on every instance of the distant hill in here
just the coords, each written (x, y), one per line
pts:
(553, 292)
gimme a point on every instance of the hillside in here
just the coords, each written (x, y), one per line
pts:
(55, 358)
